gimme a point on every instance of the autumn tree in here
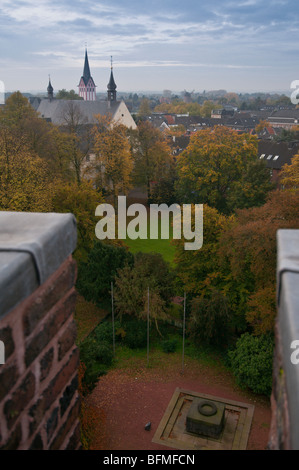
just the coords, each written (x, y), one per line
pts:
(26, 128)
(79, 133)
(67, 95)
(220, 168)
(114, 162)
(152, 156)
(261, 126)
(132, 283)
(249, 248)
(25, 182)
(289, 176)
(144, 108)
(81, 200)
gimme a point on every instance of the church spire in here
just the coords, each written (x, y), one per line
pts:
(111, 87)
(50, 90)
(86, 70)
(87, 87)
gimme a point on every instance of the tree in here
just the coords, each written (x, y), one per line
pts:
(248, 247)
(25, 182)
(144, 108)
(194, 267)
(251, 362)
(79, 133)
(22, 125)
(81, 200)
(114, 161)
(261, 126)
(99, 269)
(152, 156)
(210, 318)
(217, 168)
(67, 95)
(132, 283)
(289, 176)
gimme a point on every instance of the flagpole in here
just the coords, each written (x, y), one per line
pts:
(184, 321)
(112, 306)
(147, 326)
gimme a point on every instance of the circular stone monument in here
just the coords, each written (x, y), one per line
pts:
(205, 417)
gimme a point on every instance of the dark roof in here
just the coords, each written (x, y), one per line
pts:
(86, 71)
(111, 85)
(56, 110)
(50, 89)
(277, 154)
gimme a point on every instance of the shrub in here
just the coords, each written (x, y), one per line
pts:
(104, 332)
(169, 345)
(97, 357)
(251, 362)
(95, 275)
(135, 333)
(209, 319)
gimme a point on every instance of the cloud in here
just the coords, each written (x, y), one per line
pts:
(244, 34)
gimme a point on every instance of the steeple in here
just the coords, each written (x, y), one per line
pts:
(86, 70)
(50, 90)
(87, 87)
(111, 87)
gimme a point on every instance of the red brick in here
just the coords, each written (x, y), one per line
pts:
(67, 339)
(53, 391)
(46, 364)
(66, 427)
(48, 295)
(50, 327)
(19, 400)
(8, 377)
(74, 439)
(14, 439)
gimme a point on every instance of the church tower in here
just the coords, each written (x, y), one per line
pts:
(87, 87)
(111, 87)
(50, 90)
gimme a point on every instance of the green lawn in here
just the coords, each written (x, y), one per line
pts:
(163, 246)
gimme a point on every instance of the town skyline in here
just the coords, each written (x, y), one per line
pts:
(240, 46)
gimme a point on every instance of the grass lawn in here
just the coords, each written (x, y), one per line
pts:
(162, 246)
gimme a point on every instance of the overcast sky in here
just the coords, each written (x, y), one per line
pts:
(245, 45)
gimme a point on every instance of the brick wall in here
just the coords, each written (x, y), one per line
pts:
(279, 437)
(39, 401)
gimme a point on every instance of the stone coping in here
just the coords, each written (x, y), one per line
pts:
(32, 247)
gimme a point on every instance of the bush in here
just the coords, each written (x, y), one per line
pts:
(169, 345)
(97, 357)
(251, 362)
(95, 275)
(209, 319)
(135, 333)
(104, 332)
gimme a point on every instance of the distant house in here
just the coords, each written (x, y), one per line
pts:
(276, 155)
(284, 118)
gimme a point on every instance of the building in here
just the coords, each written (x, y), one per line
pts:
(87, 87)
(276, 155)
(56, 110)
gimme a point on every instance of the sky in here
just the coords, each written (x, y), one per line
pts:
(195, 45)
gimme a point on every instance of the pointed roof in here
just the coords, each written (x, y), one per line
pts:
(111, 85)
(86, 71)
(50, 89)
